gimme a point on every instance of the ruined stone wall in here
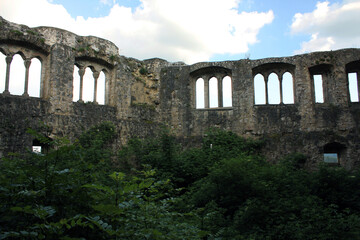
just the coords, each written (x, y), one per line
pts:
(303, 126)
(141, 96)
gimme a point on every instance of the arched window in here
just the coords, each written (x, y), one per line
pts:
(76, 84)
(273, 89)
(199, 88)
(288, 88)
(34, 78)
(318, 88)
(227, 91)
(17, 75)
(213, 93)
(2, 71)
(259, 89)
(88, 86)
(353, 87)
(100, 94)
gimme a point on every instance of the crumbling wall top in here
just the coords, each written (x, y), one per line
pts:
(15, 33)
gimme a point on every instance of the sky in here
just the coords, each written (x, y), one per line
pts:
(200, 30)
(193, 31)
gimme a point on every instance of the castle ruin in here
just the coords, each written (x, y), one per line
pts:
(140, 97)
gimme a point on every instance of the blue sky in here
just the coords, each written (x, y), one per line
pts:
(200, 30)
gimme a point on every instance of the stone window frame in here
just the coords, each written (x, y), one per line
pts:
(334, 148)
(325, 70)
(279, 68)
(96, 69)
(206, 74)
(353, 67)
(27, 54)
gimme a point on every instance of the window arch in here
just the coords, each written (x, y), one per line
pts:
(273, 89)
(101, 86)
(259, 89)
(76, 84)
(227, 92)
(213, 93)
(353, 86)
(88, 85)
(212, 87)
(200, 93)
(318, 88)
(34, 77)
(17, 75)
(287, 88)
(274, 83)
(2, 71)
(353, 70)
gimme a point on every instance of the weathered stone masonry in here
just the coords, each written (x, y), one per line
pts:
(141, 96)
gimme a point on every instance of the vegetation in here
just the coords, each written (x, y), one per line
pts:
(143, 71)
(17, 32)
(153, 189)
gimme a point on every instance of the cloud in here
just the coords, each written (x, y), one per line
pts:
(176, 30)
(108, 2)
(331, 26)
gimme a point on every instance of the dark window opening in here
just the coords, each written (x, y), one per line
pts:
(40, 147)
(333, 152)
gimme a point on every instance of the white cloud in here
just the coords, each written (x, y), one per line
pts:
(331, 26)
(108, 2)
(176, 30)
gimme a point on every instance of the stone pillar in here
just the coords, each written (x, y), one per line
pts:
(96, 75)
(81, 73)
(266, 79)
(7, 79)
(27, 63)
(220, 92)
(206, 93)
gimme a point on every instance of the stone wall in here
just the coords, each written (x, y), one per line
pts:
(141, 96)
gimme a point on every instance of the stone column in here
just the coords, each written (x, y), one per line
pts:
(7, 79)
(27, 63)
(266, 79)
(220, 92)
(81, 73)
(96, 75)
(206, 93)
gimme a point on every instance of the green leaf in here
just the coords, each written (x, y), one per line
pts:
(100, 187)
(117, 176)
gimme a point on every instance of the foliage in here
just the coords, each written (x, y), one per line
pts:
(259, 200)
(185, 167)
(74, 192)
(143, 71)
(154, 189)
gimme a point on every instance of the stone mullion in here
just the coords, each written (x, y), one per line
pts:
(206, 92)
(7, 78)
(220, 93)
(96, 75)
(81, 73)
(27, 63)
(266, 79)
